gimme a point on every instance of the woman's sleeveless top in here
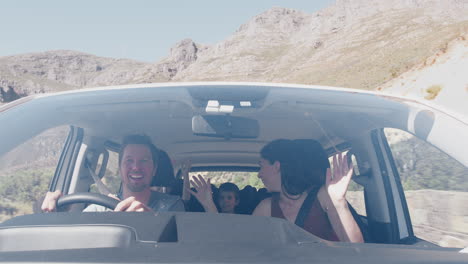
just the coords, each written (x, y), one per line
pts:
(316, 222)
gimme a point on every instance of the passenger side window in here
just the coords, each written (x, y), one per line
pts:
(355, 193)
(436, 189)
(26, 171)
(355, 196)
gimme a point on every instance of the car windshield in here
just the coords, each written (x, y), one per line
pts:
(80, 146)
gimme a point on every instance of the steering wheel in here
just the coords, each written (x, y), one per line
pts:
(87, 197)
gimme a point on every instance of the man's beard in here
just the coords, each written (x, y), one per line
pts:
(137, 188)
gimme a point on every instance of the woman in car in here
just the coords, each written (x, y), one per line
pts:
(307, 191)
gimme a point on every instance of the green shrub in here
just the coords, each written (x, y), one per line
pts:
(25, 185)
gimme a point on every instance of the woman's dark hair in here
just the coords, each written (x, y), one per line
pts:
(293, 178)
(315, 160)
(138, 139)
(177, 187)
(302, 163)
(165, 171)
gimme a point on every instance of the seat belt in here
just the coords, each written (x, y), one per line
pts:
(102, 188)
(306, 207)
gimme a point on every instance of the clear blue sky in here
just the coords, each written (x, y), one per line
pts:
(143, 30)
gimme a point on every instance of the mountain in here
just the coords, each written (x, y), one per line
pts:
(60, 70)
(441, 78)
(396, 46)
(360, 44)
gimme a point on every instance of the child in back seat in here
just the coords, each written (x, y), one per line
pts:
(228, 198)
(228, 195)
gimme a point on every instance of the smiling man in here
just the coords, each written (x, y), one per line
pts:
(138, 162)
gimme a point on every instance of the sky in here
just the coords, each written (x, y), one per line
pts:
(142, 30)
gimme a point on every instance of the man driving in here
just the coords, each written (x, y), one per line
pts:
(138, 162)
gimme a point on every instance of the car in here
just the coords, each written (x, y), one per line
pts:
(408, 207)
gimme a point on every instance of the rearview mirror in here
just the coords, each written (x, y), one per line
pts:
(224, 126)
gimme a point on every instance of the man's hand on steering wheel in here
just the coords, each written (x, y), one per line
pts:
(55, 200)
(50, 201)
(132, 205)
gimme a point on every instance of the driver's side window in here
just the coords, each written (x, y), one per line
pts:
(26, 171)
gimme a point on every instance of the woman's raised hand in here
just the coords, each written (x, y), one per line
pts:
(337, 184)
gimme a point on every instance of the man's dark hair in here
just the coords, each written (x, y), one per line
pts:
(138, 139)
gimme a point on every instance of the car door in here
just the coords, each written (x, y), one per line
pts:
(425, 174)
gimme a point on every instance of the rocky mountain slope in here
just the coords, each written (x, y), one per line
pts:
(359, 44)
(61, 70)
(441, 78)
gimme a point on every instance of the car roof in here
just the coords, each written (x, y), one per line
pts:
(164, 111)
(253, 85)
